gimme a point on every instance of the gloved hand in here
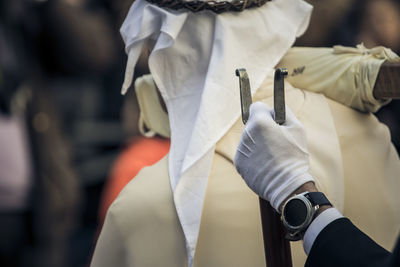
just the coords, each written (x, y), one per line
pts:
(272, 158)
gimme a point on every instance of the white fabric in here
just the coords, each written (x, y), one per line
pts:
(320, 222)
(152, 115)
(272, 158)
(193, 59)
(344, 74)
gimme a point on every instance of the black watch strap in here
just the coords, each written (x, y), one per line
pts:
(317, 198)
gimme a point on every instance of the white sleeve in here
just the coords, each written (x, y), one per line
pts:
(319, 223)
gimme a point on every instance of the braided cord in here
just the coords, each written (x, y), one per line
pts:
(214, 6)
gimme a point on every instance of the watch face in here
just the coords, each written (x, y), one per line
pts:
(295, 212)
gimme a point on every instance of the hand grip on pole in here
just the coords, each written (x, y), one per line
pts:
(276, 247)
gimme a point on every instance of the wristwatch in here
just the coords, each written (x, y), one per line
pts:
(298, 213)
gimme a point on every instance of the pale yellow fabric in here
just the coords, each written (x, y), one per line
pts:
(352, 160)
(141, 226)
(344, 74)
(152, 115)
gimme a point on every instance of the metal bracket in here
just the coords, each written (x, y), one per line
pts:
(279, 95)
(245, 93)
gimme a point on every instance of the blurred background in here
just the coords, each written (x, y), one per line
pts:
(64, 124)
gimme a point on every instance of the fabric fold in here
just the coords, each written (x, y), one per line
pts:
(193, 61)
(344, 74)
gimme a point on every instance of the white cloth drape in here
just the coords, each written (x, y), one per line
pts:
(193, 61)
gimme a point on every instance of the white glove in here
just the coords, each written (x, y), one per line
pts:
(272, 158)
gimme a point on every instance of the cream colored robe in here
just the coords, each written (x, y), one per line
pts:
(351, 158)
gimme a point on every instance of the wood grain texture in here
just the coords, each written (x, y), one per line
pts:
(277, 248)
(387, 84)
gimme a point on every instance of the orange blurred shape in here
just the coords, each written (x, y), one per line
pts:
(140, 152)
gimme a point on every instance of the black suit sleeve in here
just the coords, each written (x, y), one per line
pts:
(341, 243)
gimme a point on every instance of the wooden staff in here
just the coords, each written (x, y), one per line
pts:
(387, 83)
(276, 247)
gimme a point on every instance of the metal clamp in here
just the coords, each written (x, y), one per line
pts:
(279, 95)
(245, 93)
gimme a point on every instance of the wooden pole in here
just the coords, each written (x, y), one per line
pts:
(276, 247)
(387, 83)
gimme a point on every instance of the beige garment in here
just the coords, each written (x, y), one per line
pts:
(152, 115)
(344, 74)
(351, 159)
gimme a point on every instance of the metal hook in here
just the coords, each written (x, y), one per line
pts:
(245, 93)
(279, 95)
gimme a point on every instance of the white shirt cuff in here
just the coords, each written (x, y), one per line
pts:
(319, 223)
